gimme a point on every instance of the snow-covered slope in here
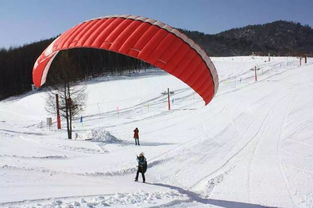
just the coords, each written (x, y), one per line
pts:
(250, 147)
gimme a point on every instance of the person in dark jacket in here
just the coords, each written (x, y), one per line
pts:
(136, 136)
(142, 167)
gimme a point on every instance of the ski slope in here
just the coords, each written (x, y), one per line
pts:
(250, 147)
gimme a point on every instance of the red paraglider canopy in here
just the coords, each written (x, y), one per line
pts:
(142, 38)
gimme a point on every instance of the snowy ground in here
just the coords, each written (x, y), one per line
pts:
(252, 146)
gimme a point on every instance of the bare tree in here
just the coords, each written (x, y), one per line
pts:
(71, 102)
(71, 97)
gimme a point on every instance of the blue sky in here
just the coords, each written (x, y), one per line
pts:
(26, 21)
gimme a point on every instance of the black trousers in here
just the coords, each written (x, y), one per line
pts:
(142, 174)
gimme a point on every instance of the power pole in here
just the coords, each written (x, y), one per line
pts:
(255, 75)
(168, 99)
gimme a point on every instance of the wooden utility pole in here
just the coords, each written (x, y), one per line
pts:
(168, 99)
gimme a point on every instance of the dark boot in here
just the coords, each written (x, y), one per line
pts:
(143, 177)
(137, 174)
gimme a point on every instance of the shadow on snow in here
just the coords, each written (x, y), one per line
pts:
(194, 197)
(147, 143)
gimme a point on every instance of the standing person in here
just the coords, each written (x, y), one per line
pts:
(136, 136)
(142, 167)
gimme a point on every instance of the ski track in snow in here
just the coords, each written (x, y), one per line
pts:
(142, 199)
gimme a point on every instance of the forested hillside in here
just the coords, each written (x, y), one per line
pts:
(16, 66)
(283, 38)
(280, 38)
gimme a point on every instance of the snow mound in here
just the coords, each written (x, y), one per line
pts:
(101, 135)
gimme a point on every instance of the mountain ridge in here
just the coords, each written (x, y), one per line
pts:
(283, 38)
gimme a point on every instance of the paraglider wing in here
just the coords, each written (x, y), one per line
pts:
(142, 38)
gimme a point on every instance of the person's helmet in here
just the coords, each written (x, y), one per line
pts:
(141, 154)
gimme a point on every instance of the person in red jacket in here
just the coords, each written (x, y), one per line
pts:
(136, 136)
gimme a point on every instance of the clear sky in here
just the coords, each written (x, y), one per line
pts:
(26, 21)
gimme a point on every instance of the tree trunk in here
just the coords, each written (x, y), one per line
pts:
(66, 97)
(70, 111)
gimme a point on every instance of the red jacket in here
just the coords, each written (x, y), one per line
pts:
(136, 133)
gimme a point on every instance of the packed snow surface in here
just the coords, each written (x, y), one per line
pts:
(252, 146)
